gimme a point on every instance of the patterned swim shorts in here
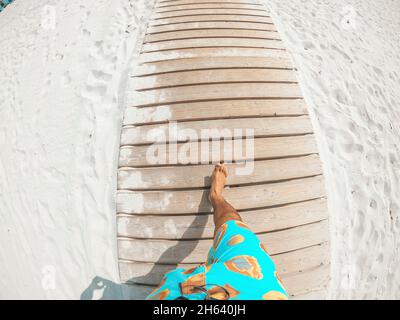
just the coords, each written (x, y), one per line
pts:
(237, 268)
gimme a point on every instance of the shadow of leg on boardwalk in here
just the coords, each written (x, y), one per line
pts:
(101, 288)
(180, 251)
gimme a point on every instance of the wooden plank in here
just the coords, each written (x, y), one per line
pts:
(212, 43)
(184, 65)
(214, 92)
(141, 291)
(302, 260)
(211, 25)
(209, 11)
(192, 251)
(219, 33)
(193, 70)
(209, 5)
(305, 282)
(183, 2)
(211, 17)
(241, 198)
(312, 295)
(221, 129)
(294, 261)
(264, 148)
(198, 176)
(214, 110)
(212, 53)
(202, 226)
(200, 77)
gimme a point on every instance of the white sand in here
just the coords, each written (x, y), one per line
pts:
(61, 99)
(61, 106)
(350, 75)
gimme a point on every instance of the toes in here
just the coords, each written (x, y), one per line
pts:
(225, 170)
(221, 167)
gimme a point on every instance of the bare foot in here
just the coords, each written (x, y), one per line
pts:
(218, 179)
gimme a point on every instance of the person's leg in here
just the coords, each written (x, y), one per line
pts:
(223, 211)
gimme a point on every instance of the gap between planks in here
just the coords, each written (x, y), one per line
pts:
(210, 25)
(171, 251)
(264, 171)
(215, 110)
(286, 263)
(201, 226)
(210, 12)
(217, 63)
(300, 285)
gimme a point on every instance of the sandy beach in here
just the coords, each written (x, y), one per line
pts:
(348, 61)
(62, 102)
(64, 66)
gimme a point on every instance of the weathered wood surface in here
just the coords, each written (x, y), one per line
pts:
(221, 33)
(310, 284)
(235, 128)
(195, 251)
(218, 65)
(207, 16)
(218, 76)
(214, 110)
(264, 148)
(169, 3)
(201, 226)
(215, 25)
(265, 171)
(287, 263)
(211, 52)
(195, 64)
(217, 91)
(242, 198)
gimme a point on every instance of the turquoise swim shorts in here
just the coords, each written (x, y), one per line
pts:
(237, 268)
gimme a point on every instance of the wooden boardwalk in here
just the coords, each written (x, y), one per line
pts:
(218, 64)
